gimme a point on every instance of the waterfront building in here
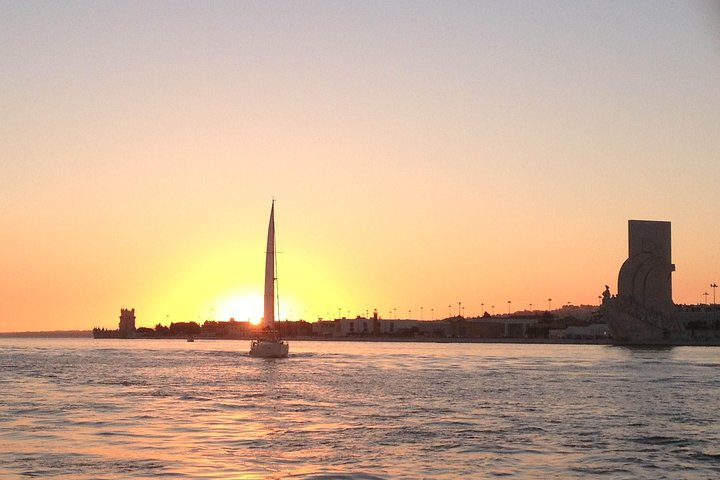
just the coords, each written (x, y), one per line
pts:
(367, 327)
(593, 331)
(496, 327)
(324, 328)
(235, 329)
(127, 323)
(354, 326)
(126, 327)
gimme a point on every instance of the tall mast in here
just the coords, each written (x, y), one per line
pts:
(269, 308)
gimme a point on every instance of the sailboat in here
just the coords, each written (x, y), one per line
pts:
(268, 343)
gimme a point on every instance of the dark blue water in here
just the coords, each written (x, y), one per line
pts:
(163, 408)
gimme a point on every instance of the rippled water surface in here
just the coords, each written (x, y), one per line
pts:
(83, 408)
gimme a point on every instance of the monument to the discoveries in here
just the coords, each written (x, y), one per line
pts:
(643, 310)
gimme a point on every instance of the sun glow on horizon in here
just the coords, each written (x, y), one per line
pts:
(247, 307)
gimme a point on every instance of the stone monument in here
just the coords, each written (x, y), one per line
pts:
(643, 310)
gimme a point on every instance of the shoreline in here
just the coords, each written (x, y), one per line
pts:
(522, 341)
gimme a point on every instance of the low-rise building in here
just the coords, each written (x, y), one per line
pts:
(498, 327)
(324, 328)
(235, 329)
(581, 332)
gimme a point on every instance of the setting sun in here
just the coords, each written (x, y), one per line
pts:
(241, 307)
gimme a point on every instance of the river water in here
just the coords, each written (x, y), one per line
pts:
(107, 409)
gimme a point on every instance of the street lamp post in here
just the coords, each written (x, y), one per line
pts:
(713, 286)
(459, 305)
(706, 295)
(549, 304)
(421, 313)
(509, 302)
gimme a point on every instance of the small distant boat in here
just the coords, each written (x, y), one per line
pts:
(268, 343)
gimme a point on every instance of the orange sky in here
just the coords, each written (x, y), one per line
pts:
(420, 154)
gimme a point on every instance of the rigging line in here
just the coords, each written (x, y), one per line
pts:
(277, 287)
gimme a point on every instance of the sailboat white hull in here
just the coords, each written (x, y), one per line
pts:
(269, 349)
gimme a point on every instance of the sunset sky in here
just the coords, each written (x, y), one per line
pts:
(421, 154)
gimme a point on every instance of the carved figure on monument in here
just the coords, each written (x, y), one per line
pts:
(606, 295)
